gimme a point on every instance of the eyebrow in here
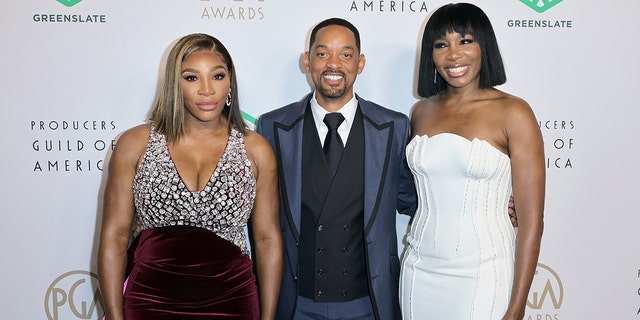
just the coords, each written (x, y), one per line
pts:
(210, 69)
(322, 46)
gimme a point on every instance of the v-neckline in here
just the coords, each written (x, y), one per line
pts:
(215, 169)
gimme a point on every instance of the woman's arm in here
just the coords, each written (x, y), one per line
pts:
(117, 218)
(265, 224)
(526, 150)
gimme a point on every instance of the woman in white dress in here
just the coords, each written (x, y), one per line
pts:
(473, 147)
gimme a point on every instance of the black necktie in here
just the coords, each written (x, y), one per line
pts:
(332, 143)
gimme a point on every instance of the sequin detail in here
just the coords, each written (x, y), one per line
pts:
(223, 206)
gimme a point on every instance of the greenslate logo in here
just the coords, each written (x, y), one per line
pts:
(69, 3)
(540, 5)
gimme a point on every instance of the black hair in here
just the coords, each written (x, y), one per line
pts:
(462, 18)
(336, 22)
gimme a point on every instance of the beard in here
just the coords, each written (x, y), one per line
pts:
(332, 92)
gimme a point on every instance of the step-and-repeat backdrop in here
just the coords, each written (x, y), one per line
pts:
(76, 73)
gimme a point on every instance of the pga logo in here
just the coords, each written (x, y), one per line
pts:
(74, 295)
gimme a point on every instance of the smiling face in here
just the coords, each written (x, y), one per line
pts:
(205, 85)
(334, 62)
(458, 59)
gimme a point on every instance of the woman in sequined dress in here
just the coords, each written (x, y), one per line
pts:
(191, 179)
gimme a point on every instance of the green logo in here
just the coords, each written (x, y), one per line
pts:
(537, 5)
(69, 3)
(249, 118)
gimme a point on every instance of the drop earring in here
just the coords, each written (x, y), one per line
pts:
(435, 75)
(228, 102)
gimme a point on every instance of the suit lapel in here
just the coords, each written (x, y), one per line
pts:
(288, 137)
(378, 137)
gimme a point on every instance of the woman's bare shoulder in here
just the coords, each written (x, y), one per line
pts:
(516, 115)
(133, 141)
(260, 153)
(424, 106)
(512, 106)
(255, 143)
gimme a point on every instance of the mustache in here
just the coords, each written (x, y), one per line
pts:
(333, 71)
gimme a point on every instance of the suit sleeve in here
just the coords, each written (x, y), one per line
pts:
(260, 126)
(407, 197)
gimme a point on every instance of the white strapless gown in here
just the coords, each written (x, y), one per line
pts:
(460, 256)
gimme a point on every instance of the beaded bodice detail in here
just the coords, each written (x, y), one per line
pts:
(223, 206)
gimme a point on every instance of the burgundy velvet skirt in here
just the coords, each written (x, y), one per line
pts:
(184, 272)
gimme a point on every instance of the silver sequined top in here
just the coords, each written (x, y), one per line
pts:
(223, 206)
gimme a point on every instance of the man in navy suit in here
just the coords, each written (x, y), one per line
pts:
(338, 217)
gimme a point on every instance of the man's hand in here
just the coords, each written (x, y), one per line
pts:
(512, 213)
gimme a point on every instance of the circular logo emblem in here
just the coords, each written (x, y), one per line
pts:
(546, 289)
(74, 295)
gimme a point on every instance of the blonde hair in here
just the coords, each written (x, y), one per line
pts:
(168, 110)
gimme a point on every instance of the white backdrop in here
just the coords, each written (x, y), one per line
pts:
(76, 73)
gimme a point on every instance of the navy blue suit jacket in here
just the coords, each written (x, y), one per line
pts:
(388, 188)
